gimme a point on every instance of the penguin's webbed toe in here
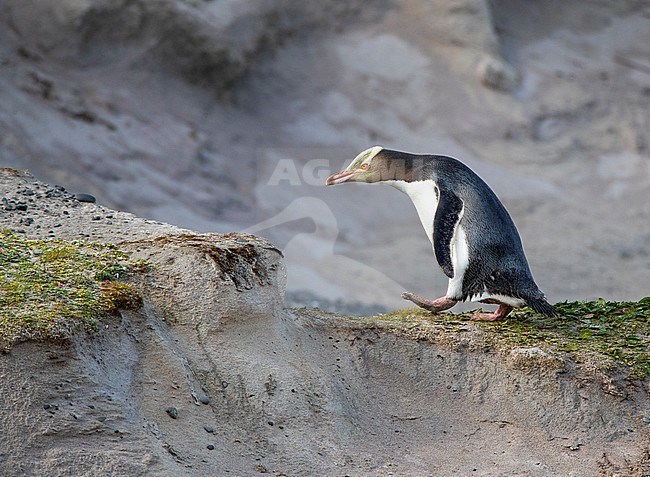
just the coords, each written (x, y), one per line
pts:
(439, 304)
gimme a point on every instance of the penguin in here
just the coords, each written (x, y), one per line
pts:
(474, 239)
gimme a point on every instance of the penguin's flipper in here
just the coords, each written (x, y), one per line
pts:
(445, 221)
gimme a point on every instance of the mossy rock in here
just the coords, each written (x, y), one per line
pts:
(52, 288)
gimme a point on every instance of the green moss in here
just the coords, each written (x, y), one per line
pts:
(51, 288)
(602, 333)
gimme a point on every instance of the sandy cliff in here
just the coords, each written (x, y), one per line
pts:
(259, 389)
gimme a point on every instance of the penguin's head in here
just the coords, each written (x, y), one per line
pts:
(365, 167)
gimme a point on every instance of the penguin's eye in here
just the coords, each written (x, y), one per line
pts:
(364, 166)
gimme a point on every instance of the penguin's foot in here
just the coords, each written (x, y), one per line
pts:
(439, 304)
(498, 315)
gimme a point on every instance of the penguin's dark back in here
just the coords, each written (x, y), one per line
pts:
(491, 232)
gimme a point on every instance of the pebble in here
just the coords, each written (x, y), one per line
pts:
(204, 399)
(85, 198)
(497, 74)
(208, 429)
(14, 204)
(173, 412)
(210, 447)
(646, 420)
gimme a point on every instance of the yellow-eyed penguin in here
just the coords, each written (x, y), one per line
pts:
(474, 239)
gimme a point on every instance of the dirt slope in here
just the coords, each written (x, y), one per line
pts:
(286, 392)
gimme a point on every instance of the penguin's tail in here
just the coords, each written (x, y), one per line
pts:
(540, 305)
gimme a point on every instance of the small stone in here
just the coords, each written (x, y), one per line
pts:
(496, 74)
(210, 447)
(85, 198)
(173, 412)
(646, 420)
(208, 429)
(22, 207)
(204, 399)
(96, 217)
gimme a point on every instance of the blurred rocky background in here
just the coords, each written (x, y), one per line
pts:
(227, 115)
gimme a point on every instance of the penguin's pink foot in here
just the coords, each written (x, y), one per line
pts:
(498, 315)
(439, 304)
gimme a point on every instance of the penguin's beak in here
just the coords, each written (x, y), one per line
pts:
(339, 177)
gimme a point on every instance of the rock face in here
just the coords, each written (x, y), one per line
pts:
(212, 376)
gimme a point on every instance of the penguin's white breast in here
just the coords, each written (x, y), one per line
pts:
(423, 195)
(459, 259)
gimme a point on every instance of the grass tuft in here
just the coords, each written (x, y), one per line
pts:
(52, 288)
